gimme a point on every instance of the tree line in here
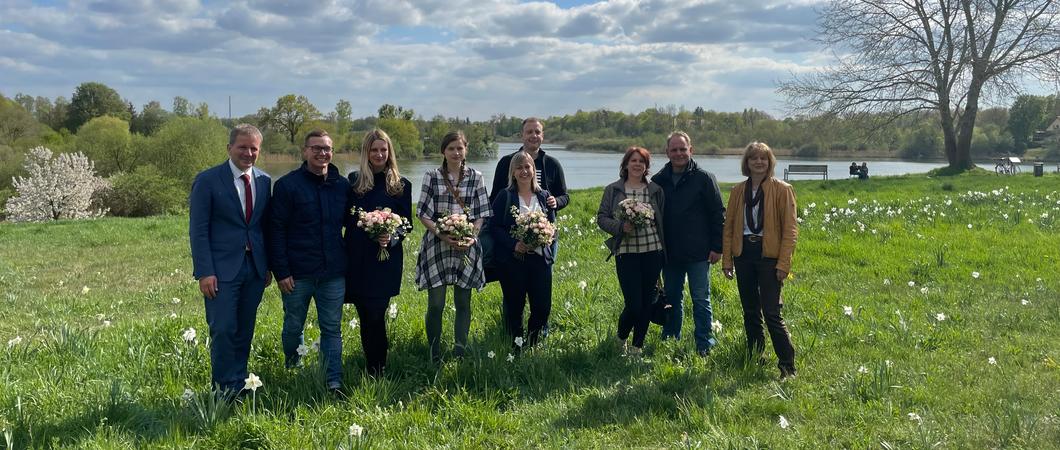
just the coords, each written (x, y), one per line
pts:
(135, 146)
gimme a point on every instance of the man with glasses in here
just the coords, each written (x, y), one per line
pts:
(307, 256)
(227, 209)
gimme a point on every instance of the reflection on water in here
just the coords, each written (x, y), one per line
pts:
(588, 169)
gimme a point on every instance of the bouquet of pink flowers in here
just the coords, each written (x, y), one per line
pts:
(637, 213)
(459, 228)
(533, 229)
(380, 222)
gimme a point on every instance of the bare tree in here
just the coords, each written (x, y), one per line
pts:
(897, 57)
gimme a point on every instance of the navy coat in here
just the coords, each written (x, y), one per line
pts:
(305, 225)
(367, 278)
(502, 221)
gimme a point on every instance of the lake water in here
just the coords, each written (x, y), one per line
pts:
(590, 169)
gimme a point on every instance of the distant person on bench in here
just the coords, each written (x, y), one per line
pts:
(863, 172)
(855, 171)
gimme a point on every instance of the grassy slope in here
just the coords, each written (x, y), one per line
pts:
(76, 381)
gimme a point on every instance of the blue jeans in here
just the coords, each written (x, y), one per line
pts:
(329, 293)
(699, 288)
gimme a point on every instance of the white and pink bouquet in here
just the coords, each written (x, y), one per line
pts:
(380, 222)
(459, 228)
(635, 212)
(533, 229)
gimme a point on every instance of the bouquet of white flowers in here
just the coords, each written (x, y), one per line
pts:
(635, 212)
(532, 228)
(459, 228)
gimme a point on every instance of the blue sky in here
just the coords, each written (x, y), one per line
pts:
(473, 58)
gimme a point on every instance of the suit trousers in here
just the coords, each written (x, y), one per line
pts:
(756, 279)
(231, 316)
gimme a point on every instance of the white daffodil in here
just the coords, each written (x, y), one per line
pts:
(188, 395)
(863, 370)
(940, 317)
(14, 341)
(992, 361)
(848, 311)
(915, 417)
(252, 382)
(302, 350)
(912, 283)
(392, 311)
(784, 424)
(189, 335)
(715, 326)
(84, 290)
(511, 357)
(519, 341)
(176, 300)
(582, 285)
(1025, 302)
(975, 274)
(491, 354)
(353, 323)
(356, 431)
(924, 290)
(886, 281)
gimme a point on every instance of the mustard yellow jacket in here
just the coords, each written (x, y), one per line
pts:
(779, 231)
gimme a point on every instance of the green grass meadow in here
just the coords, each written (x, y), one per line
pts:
(951, 340)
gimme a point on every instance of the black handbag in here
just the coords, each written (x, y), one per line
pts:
(660, 310)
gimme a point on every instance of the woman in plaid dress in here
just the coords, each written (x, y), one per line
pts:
(450, 189)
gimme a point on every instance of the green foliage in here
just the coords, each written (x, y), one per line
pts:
(923, 142)
(93, 100)
(290, 113)
(16, 124)
(1029, 113)
(389, 111)
(107, 142)
(184, 146)
(405, 136)
(991, 139)
(150, 119)
(145, 191)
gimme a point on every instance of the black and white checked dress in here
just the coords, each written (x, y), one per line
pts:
(438, 264)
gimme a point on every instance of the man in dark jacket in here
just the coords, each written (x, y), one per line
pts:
(307, 255)
(549, 171)
(693, 224)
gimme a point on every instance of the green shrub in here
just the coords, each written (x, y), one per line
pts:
(144, 192)
(808, 151)
(184, 146)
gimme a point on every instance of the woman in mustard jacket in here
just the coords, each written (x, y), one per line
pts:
(757, 244)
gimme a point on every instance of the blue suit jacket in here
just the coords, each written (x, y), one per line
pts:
(219, 233)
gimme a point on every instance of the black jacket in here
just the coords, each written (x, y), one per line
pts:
(305, 224)
(501, 223)
(695, 214)
(552, 179)
(368, 278)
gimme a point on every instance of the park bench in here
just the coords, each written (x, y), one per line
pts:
(806, 169)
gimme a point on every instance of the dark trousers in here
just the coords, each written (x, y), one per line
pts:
(756, 278)
(231, 316)
(521, 280)
(372, 312)
(637, 276)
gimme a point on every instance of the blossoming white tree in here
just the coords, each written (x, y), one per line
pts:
(57, 188)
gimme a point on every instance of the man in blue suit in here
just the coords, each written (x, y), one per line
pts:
(228, 208)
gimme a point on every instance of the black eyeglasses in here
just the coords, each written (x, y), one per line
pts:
(320, 149)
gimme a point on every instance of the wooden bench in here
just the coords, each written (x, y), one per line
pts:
(806, 169)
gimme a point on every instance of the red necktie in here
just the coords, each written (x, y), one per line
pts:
(249, 196)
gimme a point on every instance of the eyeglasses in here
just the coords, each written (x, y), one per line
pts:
(320, 149)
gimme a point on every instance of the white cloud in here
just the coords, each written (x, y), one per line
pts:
(460, 57)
